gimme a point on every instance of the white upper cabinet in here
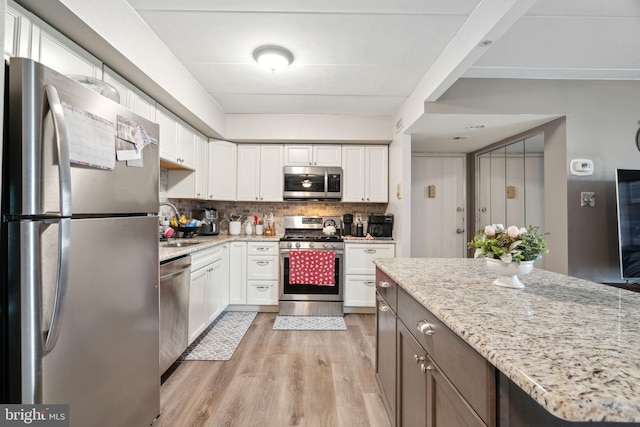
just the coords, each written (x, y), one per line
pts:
(202, 167)
(186, 146)
(365, 173)
(222, 163)
(27, 36)
(177, 142)
(260, 173)
(313, 155)
(191, 184)
(130, 96)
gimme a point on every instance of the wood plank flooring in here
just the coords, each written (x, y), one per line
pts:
(281, 379)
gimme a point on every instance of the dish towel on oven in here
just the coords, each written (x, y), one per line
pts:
(312, 268)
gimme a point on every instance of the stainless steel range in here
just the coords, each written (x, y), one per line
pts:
(311, 267)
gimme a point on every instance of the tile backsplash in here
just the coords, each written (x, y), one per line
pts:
(191, 208)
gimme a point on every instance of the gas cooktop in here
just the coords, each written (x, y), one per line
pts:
(302, 231)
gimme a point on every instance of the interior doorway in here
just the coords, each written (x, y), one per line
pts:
(438, 206)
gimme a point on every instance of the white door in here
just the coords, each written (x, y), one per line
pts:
(438, 207)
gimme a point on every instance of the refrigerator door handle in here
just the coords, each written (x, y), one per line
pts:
(62, 283)
(62, 142)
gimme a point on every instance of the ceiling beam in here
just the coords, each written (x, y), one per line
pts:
(489, 21)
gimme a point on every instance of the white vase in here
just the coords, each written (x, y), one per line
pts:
(508, 272)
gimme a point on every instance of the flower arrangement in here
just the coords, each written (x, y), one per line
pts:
(510, 244)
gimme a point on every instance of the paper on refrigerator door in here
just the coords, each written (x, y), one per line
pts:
(91, 138)
(132, 138)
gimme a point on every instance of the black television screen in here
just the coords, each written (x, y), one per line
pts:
(628, 197)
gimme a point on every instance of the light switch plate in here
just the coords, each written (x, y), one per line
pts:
(588, 199)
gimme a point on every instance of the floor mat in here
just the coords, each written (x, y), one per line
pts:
(220, 340)
(310, 323)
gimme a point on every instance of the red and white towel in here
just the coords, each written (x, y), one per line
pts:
(312, 268)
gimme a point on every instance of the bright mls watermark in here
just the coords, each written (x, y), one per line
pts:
(34, 415)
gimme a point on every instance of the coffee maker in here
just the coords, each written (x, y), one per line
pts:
(380, 225)
(209, 222)
(347, 221)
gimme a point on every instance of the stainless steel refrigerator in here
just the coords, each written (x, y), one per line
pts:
(79, 302)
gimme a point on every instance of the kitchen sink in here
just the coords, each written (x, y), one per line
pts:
(179, 244)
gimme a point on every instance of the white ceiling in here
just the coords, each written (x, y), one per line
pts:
(365, 57)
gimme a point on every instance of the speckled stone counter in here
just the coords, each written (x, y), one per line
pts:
(572, 345)
(204, 242)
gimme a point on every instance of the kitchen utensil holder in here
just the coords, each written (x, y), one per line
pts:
(235, 228)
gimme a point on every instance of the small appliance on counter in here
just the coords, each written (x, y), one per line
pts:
(380, 225)
(347, 223)
(210, 222)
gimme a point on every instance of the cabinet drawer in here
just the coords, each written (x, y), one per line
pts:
(258, 248)
(359, 257)
(387, 289)
(262, 292)
(262, 268)
(467, 370)
(205, 257)
(359, 291)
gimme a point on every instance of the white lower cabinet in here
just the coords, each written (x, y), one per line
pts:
(254, 273)
(207, 283)
(263, 273)
(360, 271)
(359, 291)
(238, 273)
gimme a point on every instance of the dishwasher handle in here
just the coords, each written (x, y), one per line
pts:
(175, 266)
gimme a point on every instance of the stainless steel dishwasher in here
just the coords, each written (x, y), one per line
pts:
(175, 280)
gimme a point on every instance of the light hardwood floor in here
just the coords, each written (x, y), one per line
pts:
(280, 379)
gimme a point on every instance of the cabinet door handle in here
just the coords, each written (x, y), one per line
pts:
(369, 283)
(383, 308)
(262, 288)
(263, 263)
(370, 251)
(424, 368)
(418, 359)
(425, 327)
(262, 249)
(384, 284)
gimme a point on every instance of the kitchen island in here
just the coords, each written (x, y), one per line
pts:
(569, 346)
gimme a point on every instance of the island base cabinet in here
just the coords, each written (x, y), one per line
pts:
(386, 323)
(412, 382)
(427, 398)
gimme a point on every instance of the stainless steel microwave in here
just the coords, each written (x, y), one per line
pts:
(312, 183)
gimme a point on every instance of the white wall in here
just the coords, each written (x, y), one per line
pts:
(308, 128)
(601, 118)
(400, 207)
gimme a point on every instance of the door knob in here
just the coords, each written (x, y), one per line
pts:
(459, 231)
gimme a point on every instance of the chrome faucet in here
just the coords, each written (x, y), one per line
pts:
(172, 207)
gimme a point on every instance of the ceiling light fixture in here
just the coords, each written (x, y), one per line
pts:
(273, 58)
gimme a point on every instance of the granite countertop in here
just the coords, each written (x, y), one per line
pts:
(204, 242)
(571, 344)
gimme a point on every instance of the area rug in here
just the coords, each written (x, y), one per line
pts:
(220, 340)
(309, 323)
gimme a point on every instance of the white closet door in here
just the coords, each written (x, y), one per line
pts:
(438, 216)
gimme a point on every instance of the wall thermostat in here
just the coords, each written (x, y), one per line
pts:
(581, 167)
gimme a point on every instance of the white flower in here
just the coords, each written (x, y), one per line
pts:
(523, 231)
(490, 231)
(513, 232)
